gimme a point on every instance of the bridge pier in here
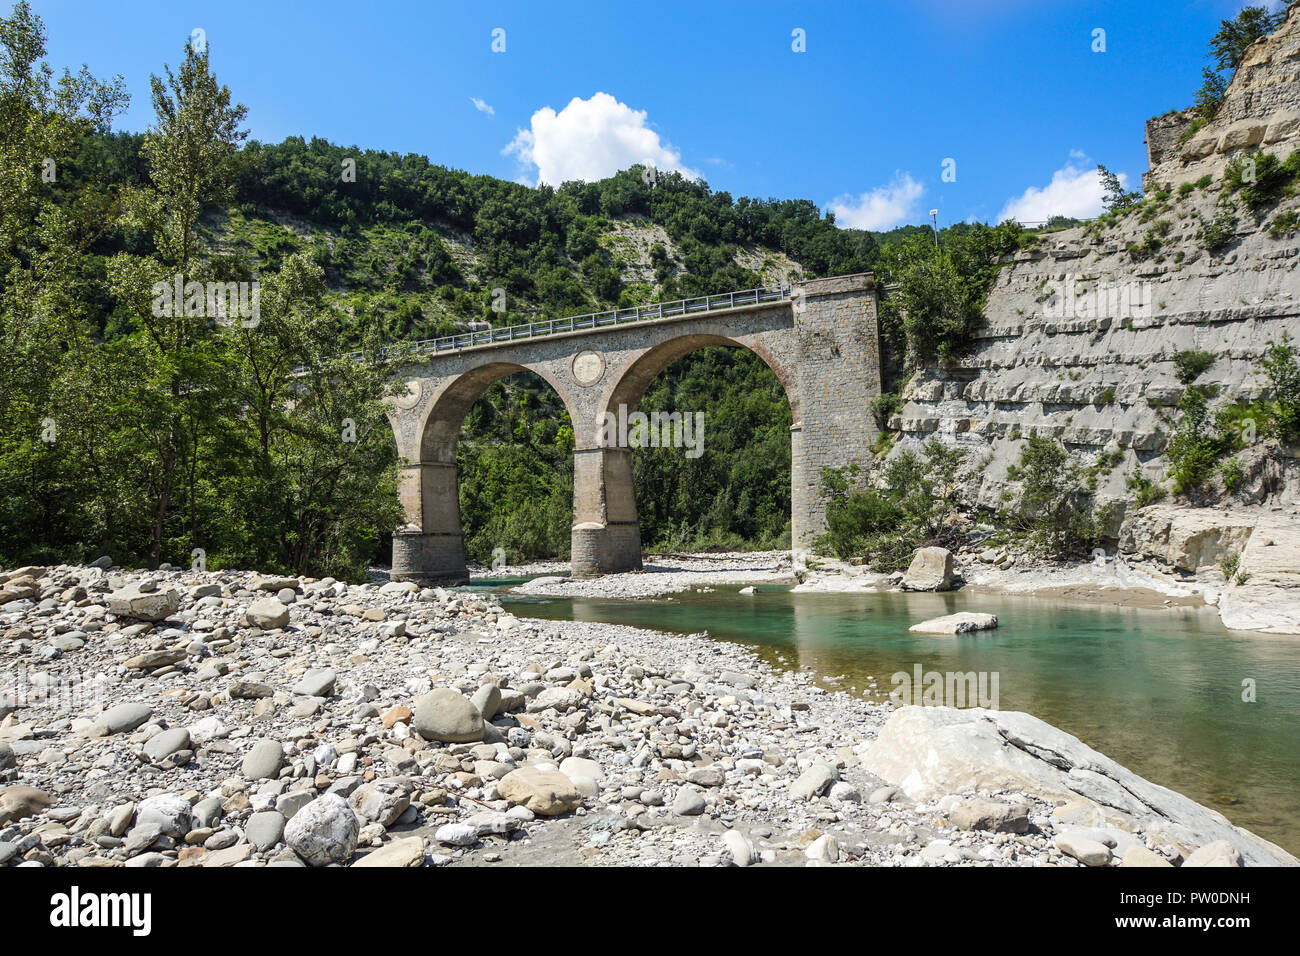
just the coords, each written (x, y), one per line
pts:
(606, 535)
(429, 557)
(430, 548)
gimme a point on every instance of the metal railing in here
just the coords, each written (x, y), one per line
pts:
(591, 320)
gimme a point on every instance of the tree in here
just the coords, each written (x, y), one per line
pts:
(1053, 506)
(48, 221)
(1210, 96)
(191, 151)
(1229, 45)
(1116, 197)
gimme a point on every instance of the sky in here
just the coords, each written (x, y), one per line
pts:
(878, 111)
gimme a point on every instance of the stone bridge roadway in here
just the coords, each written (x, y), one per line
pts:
(819, 337)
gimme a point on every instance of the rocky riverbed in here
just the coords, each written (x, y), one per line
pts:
(667, 574)
(183, 718)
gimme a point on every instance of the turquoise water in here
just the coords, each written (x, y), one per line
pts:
(1160, 691)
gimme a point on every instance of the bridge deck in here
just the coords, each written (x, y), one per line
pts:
(593, 320)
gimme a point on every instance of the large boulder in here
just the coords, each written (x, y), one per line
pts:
(324, 832)
(930, 752)
(1189, 539)
(1269, 597)
(547, 793)
(963, 622)
(930, 570)
(448, 717)
(144, 606)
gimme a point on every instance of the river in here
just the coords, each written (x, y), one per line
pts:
(1160, 691)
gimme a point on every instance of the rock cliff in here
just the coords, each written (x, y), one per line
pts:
(1083, 325)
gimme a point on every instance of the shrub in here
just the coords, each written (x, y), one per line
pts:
(1191, 363)
(1261, 178)
(887, 524)
(883, 406)
(1196, 445)
(1146, 491)
(1285, 225)
(1219, 233)
(1283, 372)
(1054, 507)
(1230, 471)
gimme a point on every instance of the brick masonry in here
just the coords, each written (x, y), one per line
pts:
(822, 344)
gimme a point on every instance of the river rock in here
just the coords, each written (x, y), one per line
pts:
(487, 699)
(400, 854)
(456, 834)
(20, 801)
(165, 743)
(1086, 851)
(742, 852)
(688, 802)
(547, 793)
(144, 606)
(980, 813)
(963, 622)
(268, 614)
(1218, 853)
(382, 802)
(316, 683)
(1137, 855)
(265, 829)
(930, 570)
(813, 781)
(264, 761)
(324, 832)
(447, 716)
(166, 814)
(121, 719)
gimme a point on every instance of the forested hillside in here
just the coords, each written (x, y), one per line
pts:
(150, 437)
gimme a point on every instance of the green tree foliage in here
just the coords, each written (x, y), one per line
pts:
(938, 305)
(515, 472)
(737, 492)
(1054, 507)
(1229, 45)
(1116, 197)
(918, 494)
(146, 434)
(1283, 371)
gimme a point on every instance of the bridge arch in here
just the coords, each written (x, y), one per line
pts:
(433, 538)
(613, 542)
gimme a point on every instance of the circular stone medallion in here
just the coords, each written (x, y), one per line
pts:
(587, 367)
(411, 398)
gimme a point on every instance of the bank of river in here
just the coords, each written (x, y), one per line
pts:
(1160, 691)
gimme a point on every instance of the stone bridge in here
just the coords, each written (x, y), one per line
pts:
(819, 337)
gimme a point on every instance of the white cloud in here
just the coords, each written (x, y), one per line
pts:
(482, 106)
(592, 139)
(1072, 192)
(882, 208)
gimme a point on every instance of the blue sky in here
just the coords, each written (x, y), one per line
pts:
(861, 121)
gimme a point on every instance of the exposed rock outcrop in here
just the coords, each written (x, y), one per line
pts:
(930, 752)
